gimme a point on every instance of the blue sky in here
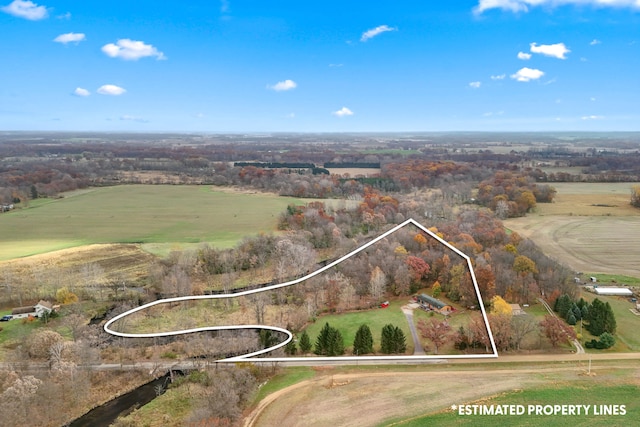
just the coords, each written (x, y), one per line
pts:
(320, 66)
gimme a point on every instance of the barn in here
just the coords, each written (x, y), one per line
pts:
(612, 290)
(40, 309)
(430, 303)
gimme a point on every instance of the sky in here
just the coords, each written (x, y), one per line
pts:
(320, 66)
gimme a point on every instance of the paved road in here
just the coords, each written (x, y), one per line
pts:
(417, 345)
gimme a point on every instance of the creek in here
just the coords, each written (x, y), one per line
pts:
(104, 415)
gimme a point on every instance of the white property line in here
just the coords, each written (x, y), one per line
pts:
(289, 334)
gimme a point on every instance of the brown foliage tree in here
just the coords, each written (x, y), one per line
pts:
(436, 331)
(557, 331)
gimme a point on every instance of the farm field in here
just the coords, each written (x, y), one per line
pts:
(162, 217)
(333, 397)
(589, 227)
(354, 172)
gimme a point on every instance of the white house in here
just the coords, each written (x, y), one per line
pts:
(40, 309)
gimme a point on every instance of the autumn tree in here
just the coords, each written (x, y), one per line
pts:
(501, 330)
(436, 331)
(436, 289)
(65, 296)
(500, 306)
(479, 332)
(419, 267)
(363, 341)
(635, 196)
(557, 331)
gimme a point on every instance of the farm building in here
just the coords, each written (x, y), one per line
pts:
(430, 303)
(611, 290)
(38, 310)
(516, 310)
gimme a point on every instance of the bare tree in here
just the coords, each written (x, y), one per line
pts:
(521, 326)
(377, 283)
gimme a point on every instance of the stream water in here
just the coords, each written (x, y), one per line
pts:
(105, 415)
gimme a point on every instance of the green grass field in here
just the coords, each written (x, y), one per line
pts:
(614, 279)
(348, 324)
(584, 394)
(162, 216)
(627, 337)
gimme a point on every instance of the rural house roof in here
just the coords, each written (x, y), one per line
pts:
(433, 301)
(45, 304)
(22, 310)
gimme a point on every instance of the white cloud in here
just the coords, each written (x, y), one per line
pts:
(224, 6)
(26, 9)
(81, 92)
(343, 112)
(592, 117)
(524, 56)
(336, 65)
(283, 85)
(111, 90)
(595, 42)
(65, 16)
(524, 5)
(131, 50)
(475, 85)
(369, 34)
(70, 37)
(290, 116)
(558, 50)
(129, 118)
(527, 74)
(499, 77)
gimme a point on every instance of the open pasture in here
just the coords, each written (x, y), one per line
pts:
(424, 396)
(163, 216)
(589, 227)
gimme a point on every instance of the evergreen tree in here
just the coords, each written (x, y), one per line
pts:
(609, 319)
(322, 341)
(386, 339)
(291, 348)
(596, 318)
(585, 311)
(392, 340)
(329, 342)
(606, 340)
(400, 340)
(577, 312)
(571, 319)
(336, 343)
(563, 305)
(305, 343)
(363, 341)
(601, 318)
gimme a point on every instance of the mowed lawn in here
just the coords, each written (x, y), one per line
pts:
(376, 318)
(158, 214)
